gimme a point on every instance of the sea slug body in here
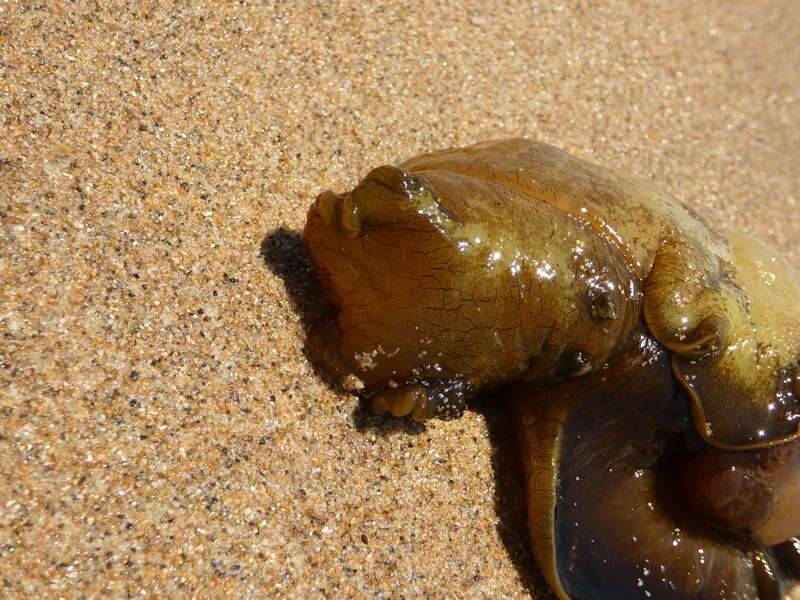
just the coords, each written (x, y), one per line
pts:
(651, 363)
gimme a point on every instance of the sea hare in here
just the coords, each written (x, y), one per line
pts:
(650, 363)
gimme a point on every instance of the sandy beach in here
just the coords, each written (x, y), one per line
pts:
(162, 434)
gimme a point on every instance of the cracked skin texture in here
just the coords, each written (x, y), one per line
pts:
(637, 347)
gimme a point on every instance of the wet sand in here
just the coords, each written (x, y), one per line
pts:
(161, 432)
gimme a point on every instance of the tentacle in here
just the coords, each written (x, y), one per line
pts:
(444, 398)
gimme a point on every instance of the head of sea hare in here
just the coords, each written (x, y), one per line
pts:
(438, 275)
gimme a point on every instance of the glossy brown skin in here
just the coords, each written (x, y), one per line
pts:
(446, 289)
(623, 325)
(753, 493)
(602, 456)
(726, 306)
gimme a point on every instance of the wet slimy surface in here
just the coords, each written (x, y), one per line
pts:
(512, 265)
